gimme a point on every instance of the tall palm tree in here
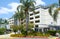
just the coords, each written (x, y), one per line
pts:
(27, 5)
(18, 16)
(55, 14)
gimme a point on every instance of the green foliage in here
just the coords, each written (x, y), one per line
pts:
(27, 5)
(51, 32)
(15, 28)
(2, 30)
(55, 14)
(31, 25)
(3, 21)
(31, 34)
(58, 31)
(17, 35)
(21, 27)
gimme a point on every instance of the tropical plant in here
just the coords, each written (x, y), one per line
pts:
(27, 5)
(31, 26)
(53, 13)
(14, 28)
(18, 16)
(2, 31)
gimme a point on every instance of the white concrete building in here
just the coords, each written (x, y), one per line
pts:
(42, 19)
(11, 21)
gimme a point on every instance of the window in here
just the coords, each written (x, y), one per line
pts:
(31, 14)
(37, 21)
(36, 25)
(37, 12)
(21, 19)
(21, 22)
(36, 16)
(31, 18)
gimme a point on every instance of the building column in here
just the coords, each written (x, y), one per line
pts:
(42, 29)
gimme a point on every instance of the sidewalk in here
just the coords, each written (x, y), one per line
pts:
(6, 35)
(52, 37)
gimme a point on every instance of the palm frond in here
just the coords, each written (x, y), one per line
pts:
(55, 15)
(51, 8)
(50, 11)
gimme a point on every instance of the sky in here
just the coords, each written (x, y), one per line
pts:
(8, 7)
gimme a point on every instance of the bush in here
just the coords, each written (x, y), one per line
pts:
(17, 35)
(58, 31)
(51, 32)
(2, 31)
(39, 34)
(15, 28)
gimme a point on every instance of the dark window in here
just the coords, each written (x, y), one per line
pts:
(31, 18)
(31, 14)
(36, 25)
(21, 19)
(21, 22)
(37, 12)
(36, 16)
(37, 21)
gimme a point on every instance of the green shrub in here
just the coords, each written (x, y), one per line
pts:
(15, 28)
(47, 35)
(39, 34)
(2, 30)
(58, 31)
(51, 32)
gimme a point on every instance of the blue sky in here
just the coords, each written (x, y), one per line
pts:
(8, 7)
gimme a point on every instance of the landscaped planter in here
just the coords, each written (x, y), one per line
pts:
(30, 36)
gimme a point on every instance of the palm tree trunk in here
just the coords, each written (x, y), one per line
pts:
(19, 21)
(27, 21)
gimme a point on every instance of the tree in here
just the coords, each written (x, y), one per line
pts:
(14, 28)
(18, 16)
(27, 5)
(55, 14)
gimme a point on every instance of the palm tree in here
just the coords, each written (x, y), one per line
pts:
(18, 16)
(55, 14)
(27, 5)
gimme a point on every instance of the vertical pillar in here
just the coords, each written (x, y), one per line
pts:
(42, 29)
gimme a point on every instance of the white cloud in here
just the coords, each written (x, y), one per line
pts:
(13, 6)
(40, 2)
(3, 10)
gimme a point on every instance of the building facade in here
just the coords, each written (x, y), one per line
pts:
(43, 21)
(11, 21)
